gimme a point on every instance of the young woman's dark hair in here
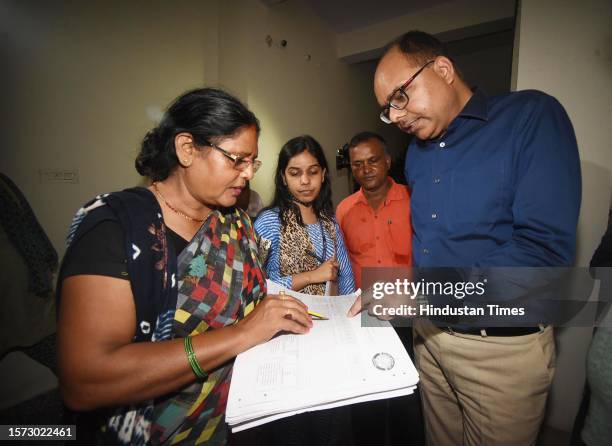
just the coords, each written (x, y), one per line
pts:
(208, 114)
(283, 199)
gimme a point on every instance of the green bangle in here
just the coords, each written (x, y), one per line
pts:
(193, 361)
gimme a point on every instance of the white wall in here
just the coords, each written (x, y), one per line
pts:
(81, 77)
(436, 19)
(86, 79)
(301, 88)
(565, 49)
(485, 61)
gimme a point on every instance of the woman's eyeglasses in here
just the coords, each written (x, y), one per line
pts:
(239, 163)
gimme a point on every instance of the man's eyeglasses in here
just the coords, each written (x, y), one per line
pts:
(239, 163)
(399, 99)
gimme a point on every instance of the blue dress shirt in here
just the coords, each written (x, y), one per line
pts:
(501, 187)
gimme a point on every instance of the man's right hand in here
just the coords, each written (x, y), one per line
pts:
(365, 299)
(361, 303)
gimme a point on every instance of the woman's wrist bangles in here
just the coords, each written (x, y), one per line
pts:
(193, 361)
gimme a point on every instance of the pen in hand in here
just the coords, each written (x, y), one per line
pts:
(312, 313)
(318, 316)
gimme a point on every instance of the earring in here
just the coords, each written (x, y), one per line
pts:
(186, 163)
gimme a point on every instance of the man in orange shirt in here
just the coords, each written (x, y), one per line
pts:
(375, 222)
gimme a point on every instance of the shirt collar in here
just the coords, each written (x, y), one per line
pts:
(392, 194)
(476, 106)
(361, 197)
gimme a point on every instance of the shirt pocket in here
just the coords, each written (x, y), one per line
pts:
(400, 237)
(360, 239)
(477, 196)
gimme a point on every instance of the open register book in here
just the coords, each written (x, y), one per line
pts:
(339, 362)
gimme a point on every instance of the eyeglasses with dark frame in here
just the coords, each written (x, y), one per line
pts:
(399, 99)
(239, 163)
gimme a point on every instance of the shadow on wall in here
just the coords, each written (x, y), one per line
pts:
(573, 342)
(596, 201)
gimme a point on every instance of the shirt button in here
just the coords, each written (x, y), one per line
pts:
(436, 180)
(377, 237)
(442, 144)
(434, 216)
(379, 261)
(376, 216)
(425, 251)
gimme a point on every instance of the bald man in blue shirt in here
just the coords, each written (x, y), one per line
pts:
(495, 182)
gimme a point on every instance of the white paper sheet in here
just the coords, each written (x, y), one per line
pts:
(331, 366)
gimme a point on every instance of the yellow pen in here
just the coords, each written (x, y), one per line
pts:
(312, 313)
(318, 316)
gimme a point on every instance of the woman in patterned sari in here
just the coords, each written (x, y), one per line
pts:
(161, 287)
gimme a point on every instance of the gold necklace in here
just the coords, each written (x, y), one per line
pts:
(172, 208)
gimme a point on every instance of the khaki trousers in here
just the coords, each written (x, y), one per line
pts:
(483, 390)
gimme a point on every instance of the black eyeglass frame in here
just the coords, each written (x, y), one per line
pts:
(384, 112)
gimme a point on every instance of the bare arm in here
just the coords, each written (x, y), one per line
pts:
(99, 365)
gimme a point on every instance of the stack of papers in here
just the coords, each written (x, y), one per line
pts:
(339, 362)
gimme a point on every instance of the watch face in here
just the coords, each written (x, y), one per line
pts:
(383, 361)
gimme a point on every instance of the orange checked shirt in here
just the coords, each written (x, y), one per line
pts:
(381, 237)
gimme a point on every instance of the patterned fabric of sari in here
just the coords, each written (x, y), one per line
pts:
(216, 281)
(220, 281)
(151, 266)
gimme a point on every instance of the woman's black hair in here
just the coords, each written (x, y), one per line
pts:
(208, 114)
(283, 199)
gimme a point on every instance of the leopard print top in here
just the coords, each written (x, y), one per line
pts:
(294, 246)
